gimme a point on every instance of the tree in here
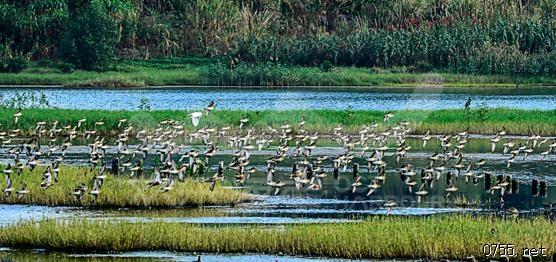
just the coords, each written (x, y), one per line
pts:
(91, 35)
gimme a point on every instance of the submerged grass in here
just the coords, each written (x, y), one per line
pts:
(479, 121)
(175, 72)
(436, 237)
(117, 192)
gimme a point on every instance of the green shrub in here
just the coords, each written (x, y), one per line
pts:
(326, 66)
(13, 65)
(66, 67)
(507, 60)
(91, 36)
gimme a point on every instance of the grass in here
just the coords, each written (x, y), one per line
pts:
(189, 71)
(436, 237)
(117, 192)
(490, 121)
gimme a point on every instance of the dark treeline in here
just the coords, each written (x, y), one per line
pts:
(468, 36)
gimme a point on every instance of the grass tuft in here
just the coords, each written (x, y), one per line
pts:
(118, 192)
(437, 237)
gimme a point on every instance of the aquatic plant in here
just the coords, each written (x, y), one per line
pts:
(117, 191)
(516, 122)
(434, 237)
(25, 99)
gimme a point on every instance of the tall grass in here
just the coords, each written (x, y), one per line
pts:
(489, 121)
(437, 237)
(117, 192)
(180, 71)
(424, 35)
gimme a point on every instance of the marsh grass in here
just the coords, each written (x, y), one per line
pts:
(117, 192)
(516, 122)
(176, 72)
(436, 237)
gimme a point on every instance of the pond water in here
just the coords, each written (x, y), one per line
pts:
(336, 202)
(283, 99)
(41, 255)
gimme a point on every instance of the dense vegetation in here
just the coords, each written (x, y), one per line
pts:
(479, 120)
(437, 237)
(118, 191)
(465, 36)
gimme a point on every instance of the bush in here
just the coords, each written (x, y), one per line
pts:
(66, 67)
(271, 74)
(13, 65)
(326, 66)
(91, 36)
(506, 60)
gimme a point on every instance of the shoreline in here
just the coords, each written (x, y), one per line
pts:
(178, 74)
(416, 87)
(515, 121)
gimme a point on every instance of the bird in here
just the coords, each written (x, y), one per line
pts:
(388, 116)
(23, 191)
(210, 107)
(195, 118)
(16, 116)
(9, 187)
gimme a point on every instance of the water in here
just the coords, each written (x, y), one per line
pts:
(283, 99)
(40, 255)
(335, 202)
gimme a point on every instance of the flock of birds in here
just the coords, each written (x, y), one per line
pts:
(365, 153)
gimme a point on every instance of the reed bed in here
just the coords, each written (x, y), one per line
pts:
(436, 237)
(477, 121)
(117, 192)
(209, 73)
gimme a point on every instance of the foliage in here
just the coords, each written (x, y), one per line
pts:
(13, 65)
(118, 191)
(144, 104)
(459, 236)
(516, 122)
(458, 36)
(91, 36)
(28, 100)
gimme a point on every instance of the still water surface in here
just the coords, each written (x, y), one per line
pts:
(283, 99)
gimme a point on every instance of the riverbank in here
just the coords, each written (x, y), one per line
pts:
(476, 121)
(117, 192)
(377, 237)
(191, 72)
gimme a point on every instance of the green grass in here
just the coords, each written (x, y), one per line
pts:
(437, 237)
(190, 71)
(519, 122)
(117, 192)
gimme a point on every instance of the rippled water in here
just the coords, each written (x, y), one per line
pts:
(257, 99)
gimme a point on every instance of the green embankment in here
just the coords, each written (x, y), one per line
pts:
(477, 121)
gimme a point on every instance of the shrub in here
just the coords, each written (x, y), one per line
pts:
(13, 65)
(91, 36)
(66, 67)
(326, 66)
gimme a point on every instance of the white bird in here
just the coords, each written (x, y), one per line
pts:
(195, 118)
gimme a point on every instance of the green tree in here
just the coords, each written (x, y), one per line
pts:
(91, 36)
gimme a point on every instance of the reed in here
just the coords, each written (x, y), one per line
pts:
(117, 192)
(477, 121)
(192, 71)
(435, 237)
